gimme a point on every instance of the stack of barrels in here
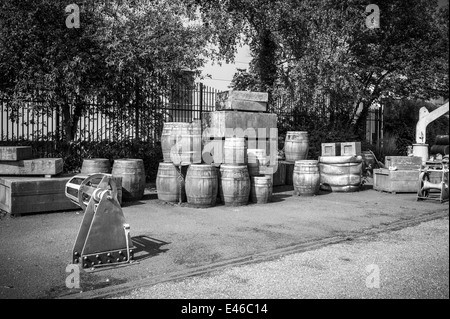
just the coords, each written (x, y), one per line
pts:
(305, 176)
(181, 147)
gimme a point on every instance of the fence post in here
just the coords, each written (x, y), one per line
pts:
(201, 101)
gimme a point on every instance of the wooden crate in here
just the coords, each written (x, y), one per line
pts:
(242, 101)
(331, 149)
(15, 153)
(25, 195)
(38, 166)
(350, 148)
(399, 181)
(403, 162)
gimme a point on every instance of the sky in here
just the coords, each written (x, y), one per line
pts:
(221, 76)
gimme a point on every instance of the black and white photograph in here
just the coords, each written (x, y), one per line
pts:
(222, 158)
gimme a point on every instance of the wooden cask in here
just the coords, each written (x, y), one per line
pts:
(96, 165)
(133, 178)
(170, 183)
(306, 178)
(261, 189)
(235, 185)
(296, 146)
(202, 185)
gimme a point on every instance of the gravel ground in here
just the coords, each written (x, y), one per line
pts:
(412, 263)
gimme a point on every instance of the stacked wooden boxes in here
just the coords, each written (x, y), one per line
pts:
(401, 175)
(29, 185)
(341, 149)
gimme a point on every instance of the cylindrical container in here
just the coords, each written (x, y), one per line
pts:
(256, 159)
(442, 140)
(235, 151)
(202, 185)
(340, 173)
(235, 185)
(133, 177)
(170, 183)
(181, 143)
(296, 146)
(421, 150)
(439, 149)
(261, 189)
(96, 165)
(306, 178)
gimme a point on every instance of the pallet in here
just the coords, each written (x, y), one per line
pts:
(15, 153)
(33, 167)
(26, 195)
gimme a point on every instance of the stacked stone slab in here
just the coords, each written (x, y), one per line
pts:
(25, 183)
(239, 114)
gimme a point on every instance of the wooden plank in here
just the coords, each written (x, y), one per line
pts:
(403, 162)
(39, 166)
(242, 100)
(15, 153)
(25, 195)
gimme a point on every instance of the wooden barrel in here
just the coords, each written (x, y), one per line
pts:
(96, 165)
(170, 183)
(306, 178)
(235, 185)
(256, 159)
(235, 151)
(296, 146)
(202, 185)
(181, 143)
(340, 173)
(261, 189)
(133, 177)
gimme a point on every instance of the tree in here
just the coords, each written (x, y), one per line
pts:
(119, 53)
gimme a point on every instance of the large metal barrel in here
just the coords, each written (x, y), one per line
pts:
(439, 149)
(235, 151)
(261, 189)
(170, 183)
(234, 185)
(96, 165)
(133, 177)
(306, 178)
(256, 159)
(181, 143)
(340, 173)
(202, 185)
(442, 140)
(296, 146)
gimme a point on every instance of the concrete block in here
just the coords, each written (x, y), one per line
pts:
(15, 153)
